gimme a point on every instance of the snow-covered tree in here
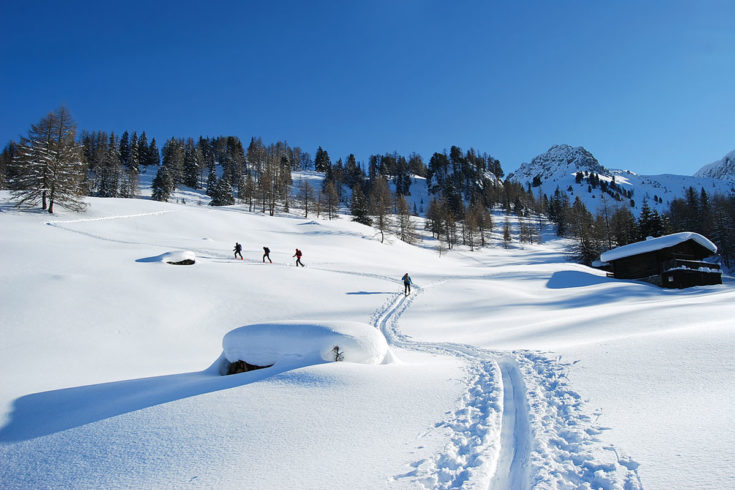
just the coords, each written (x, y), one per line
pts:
(359, 208)
(48, 168)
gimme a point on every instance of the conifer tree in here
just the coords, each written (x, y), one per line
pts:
(163, 185)
(223, 194)
(192, 162)
(48, 167)
(143, 149)
(623, 227)
(124, 149)
(109, 171)
(211, 182)
(154, 158)
(406, 228)
(506, 233)
(321, 160)
(359, 208)
(380, 204)
(331, 200)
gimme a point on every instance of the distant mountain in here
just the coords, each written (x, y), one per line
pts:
(722, 169)
(560, 165)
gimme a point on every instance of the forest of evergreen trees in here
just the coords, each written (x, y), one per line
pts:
(54, 164)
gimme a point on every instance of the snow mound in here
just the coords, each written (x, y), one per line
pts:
(306, 342)
(185, 257)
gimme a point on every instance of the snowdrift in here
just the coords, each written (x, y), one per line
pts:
(306, 343)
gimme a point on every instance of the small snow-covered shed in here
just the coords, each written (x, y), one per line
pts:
(672, 261)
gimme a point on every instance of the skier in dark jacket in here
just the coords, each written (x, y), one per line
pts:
(267, 254)
(406, 284)
(298, 258)
(238, 250)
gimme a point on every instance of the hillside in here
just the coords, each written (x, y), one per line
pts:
(508, 367)
(557, 168)
(723, 169)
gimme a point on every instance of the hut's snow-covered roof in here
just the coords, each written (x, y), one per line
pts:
(653, 244)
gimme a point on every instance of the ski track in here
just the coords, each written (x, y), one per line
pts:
(517, 426)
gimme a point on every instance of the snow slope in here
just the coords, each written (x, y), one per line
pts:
(509, 368)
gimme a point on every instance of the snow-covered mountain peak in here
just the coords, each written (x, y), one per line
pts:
(558, 161)
(558, 168)
(722, 169)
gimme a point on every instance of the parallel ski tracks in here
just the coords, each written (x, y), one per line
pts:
(477, 455)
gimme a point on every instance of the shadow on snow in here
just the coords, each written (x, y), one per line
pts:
(42, 414)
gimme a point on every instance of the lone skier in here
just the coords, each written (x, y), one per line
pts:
(406, 284)
(298, 258)
(267, 254)
(238, 250)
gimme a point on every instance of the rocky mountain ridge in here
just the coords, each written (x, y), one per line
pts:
(577, 172)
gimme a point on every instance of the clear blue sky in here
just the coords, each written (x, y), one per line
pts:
(643, 85)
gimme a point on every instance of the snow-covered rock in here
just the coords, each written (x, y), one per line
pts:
(721, 169)
(186, 257)
(306, 342)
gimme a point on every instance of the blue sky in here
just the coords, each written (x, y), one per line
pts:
(644, 85)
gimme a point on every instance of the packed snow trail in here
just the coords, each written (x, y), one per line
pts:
(469, 458)
(512, 469)
(518, 424)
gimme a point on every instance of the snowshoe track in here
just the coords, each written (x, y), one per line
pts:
(517, 426)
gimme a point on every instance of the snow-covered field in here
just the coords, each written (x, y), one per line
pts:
(504, 368)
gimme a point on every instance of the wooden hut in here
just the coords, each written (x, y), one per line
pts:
(671, 261)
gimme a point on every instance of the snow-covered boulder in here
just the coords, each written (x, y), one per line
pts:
(182, 257)
(306, 343)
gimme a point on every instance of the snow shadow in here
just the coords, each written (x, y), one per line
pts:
(575, 279)
(369, 292)
(47, 413)
(157, 258)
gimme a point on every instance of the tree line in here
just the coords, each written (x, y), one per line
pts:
(50, 165)
(614, 225)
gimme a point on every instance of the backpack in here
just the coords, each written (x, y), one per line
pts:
(267, 250)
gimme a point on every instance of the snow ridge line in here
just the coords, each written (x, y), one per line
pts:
(105, 218)
(470, 456)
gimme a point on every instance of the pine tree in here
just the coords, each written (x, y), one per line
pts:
(162, 185)
(223, 194)
(124, 149)
(143, 149)
(359, 208)
(48, 167)
(211, 182)
(406, 228)
(154, 158)
(110, 171)
(6, 164)
(623, 227)
(321, 160)
(192, 162)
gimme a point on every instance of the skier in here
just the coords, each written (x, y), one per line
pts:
(267, 254)
(406, 284)
(237, 250)
(298, 258)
